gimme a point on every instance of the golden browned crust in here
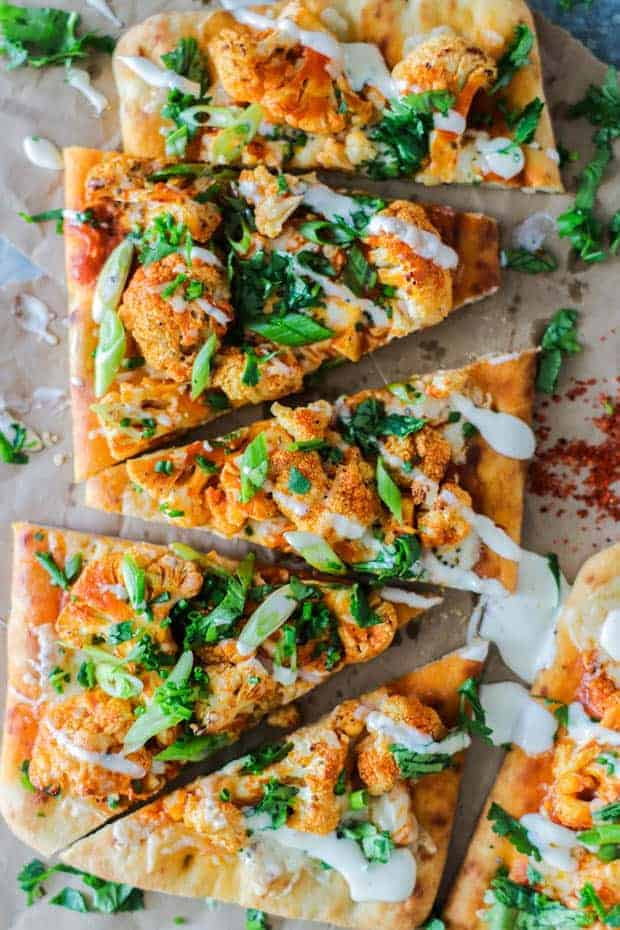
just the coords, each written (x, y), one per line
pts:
(523, 779)
(388, 23)
(182, 869)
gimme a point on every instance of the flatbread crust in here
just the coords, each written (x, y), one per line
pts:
(167, 857)
(495, 483)
(523, 779)
(49, 823)
(394, 26)
(473, 236)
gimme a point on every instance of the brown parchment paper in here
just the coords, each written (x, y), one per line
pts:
(41, 103)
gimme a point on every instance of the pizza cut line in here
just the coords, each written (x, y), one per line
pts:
(420, 480)
(348, 821)
(437, 92)
(194, 290)
(129, 660)
(546, 852)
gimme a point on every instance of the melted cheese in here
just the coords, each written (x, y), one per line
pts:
(515, 717)
(583, 730)
(415, 739)
(214, 312)
(423, 243)
(112, 761)
(506, 434)
(345, 527)
(155, 76)
(364, 64)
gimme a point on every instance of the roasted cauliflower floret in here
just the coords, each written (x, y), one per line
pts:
(304, 423)
(434, 452)
(443, 524)
(291, 81)
(394, 812)
(362, 643)
(171, 330)
(91, 722)
(200, 808)
(300, 484)
(280, 375)
(273, 204)
(238, 696)
(446, 62)
(353, 496)
(316, 763)
(599, 694)
(578, 780)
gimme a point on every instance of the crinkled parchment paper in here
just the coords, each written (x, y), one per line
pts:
(42, 103)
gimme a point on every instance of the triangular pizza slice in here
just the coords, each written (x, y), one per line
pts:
(421, 480)
(546, 852)
(436, 92)
(194, 290)
(128, 660)
(348, 821)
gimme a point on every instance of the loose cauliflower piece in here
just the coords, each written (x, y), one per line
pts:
(280, 375)
(95, 723)
(170, 331)
(290, 81)
(578, 779)
(272, 205)
(446, 62)
(304, 423)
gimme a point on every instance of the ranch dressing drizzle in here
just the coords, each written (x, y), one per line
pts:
(240, 4)
(491, 535)
(610, 634)
(582, 730)
(453, 121)
(368, 881)
(415, 739)
(452, 576)
(155, 76)
(364, 64)
(515, 717)
(321, 42)
(505, 433)
(423, 243)
(34, 316)
(500, 156)
(554, 842)
(112, 761)
(105, 10)
(526, 647)
(205, 255)
(328, 203)
(377, 314)
(42, 153)
(80, 80)
(410, 598)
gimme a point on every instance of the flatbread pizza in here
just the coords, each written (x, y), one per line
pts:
(193, 290)
(546, 852)
(129, 660)
(421, 480)
(346, 822)
(437, 92)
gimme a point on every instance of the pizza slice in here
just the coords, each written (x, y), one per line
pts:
(436, 92)
(421, 480)
(193, 290)
(546, 852)
(129, 660)
(348, 821)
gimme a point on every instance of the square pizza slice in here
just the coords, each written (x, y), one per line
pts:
(129, 660)
(193, 290)
(546, 852)
(437, 92)
(421, 480)
(346, 822)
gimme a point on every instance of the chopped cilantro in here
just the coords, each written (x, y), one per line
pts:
(515, 57)
(45, 36)
(255, 920)
(394, 560)
(360, 608)
(120, 632)
(559, 339)
(513, 830)
(414, 765)
(12, 450)
(207, 623)
(277, 801)
(261, 758)
(369, 421)
(297, 481)
(403, 133)
(377, 845)
(476, 723)
(86, 674)
(163, 237)
(529, 262)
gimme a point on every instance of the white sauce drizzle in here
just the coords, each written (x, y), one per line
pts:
(377, 314)
(410, 598)
(515, 717)
(554, 842)
(321, 42)
(610, 634)
(330, 204)
(423, 243)
(533, 231)
(211, 310)
(364, 64)
(206, 256)
(112, 761)
(491, 535)
(505, 433)
(80, 80)
(105, 10)
(297, 507)
(453, 121)
(454, 576)
(54, 398)
(155, 76)
(414, 739)
(582, 730)
(43, 153)
(500, 156)
(345, 527)
(34, 316)
(523, 624)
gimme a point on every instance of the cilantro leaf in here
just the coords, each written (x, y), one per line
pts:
(369, 421)
(297, 481)
(394, 560)
(11, 450)
(515, 905)
(579, 223)
(403, 133)
(45, 36)
(72, 899)
(527, 122)
(31, 877)
(529, 262)
(601, 105)
(359, 275)
(186, 59)
(261, 758)
(515, 832)
(413, 765)
(515, 57)
(255, 920)
(216, 624)
(559, 339)
(163, 237)
(360, 608)
(476, 723)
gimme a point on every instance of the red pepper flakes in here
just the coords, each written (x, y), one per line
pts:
(580, 470)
